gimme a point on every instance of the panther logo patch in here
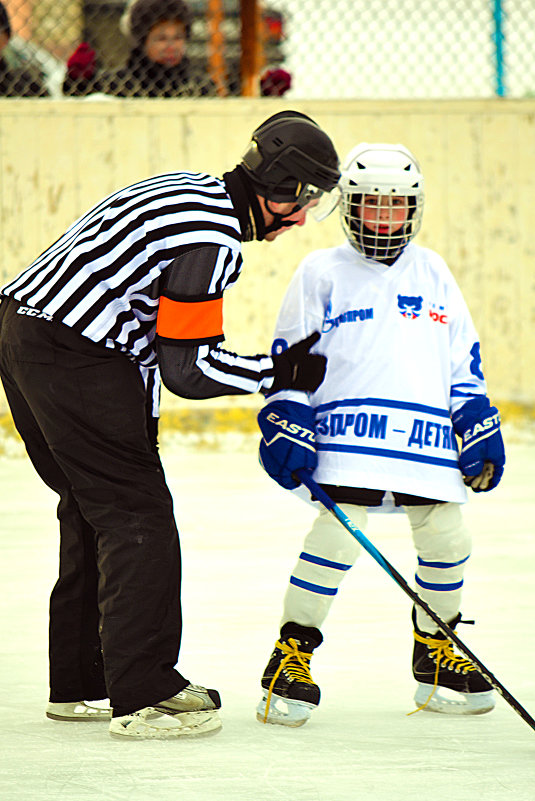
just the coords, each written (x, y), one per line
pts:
(410, 307)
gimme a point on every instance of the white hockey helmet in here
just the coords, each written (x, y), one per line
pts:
(385, 171)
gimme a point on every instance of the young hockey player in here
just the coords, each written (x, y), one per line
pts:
(403, 377)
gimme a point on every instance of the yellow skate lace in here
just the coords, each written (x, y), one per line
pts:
(296, 663)
(441, 651)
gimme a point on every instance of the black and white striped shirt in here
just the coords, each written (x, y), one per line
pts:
(104, 277)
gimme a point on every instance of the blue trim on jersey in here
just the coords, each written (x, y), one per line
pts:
(457, 393)
(466, 389)
(426, 585)
(387, 404)
(317, 588)
(442, 565)
(409, 457)
(319, 560)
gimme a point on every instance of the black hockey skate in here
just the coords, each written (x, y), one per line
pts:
(447, 682)
(289, 692)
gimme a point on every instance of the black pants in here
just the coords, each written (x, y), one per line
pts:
(115, 613)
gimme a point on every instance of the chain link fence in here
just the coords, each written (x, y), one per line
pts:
(313, 49)
(398, 49)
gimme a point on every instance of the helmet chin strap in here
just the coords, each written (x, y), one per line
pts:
(280, 220)
(244, 198)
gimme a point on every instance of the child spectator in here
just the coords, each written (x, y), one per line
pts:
(158, 31)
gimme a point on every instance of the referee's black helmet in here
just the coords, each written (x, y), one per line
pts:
(290, 158)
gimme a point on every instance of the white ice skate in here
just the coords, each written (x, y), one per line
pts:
(79, 711)
(283, 711)
(190, 713)
(443, 699)
(144, 725)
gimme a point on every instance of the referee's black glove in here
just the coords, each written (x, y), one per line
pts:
(296, 368)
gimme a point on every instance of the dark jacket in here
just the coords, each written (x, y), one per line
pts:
(141, 77)
(20, 83)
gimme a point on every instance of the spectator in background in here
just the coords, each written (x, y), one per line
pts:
(16, 82)
(157, 66)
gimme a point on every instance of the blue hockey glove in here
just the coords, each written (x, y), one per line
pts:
(288, 441)
(482, 455)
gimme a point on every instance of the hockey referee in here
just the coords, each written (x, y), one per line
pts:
(132, 289)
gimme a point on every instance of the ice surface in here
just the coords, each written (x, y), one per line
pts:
(240, 537)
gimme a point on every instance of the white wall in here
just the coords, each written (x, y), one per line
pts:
(478, 157)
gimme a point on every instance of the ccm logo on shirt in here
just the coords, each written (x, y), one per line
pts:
(28, 311)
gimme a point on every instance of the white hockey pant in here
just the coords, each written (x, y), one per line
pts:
(442, 543)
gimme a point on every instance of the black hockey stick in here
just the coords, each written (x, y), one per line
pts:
(319, 494)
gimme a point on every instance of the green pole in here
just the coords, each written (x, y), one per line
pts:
(499, 38)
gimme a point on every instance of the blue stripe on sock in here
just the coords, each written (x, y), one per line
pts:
(319, 560)
(317, 588)
(443, 565)
(439, 587)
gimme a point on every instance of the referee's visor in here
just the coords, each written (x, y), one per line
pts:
(327, 202)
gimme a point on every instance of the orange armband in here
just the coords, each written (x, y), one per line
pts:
(195, 319)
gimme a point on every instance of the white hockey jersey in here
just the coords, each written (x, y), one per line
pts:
(403, 354)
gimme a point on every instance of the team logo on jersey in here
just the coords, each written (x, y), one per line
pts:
(438, 314)
(410, 307)
(350, 316)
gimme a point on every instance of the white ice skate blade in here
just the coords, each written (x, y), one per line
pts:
(79, 710)
(453, 703)
(284, 712)
(164, 727)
